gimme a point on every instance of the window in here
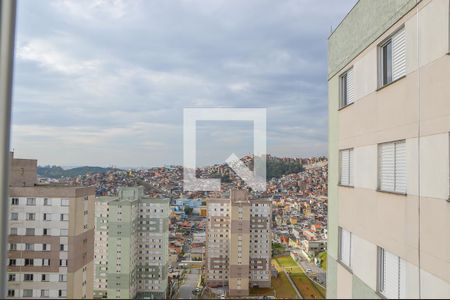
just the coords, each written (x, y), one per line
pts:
(29, 247)
(14, 216)
(346, 88)
(47, 217)
(392, 58)
(62, 278)
(28, 277)
(12, 277)
(44, 277)
(47, 202)
(31, 201)
(27, 293)
(29, 231)
(15, 201)
(29, 262)
(391, 275)
(386, 63)
(62, 293)
(392, 167)
(345, 246)
(11, 293)
(12, 247)
(45, 293)
(64, 217)
(12, 262)
(346, 167)
(13, 231)
(31, 216)
(45, 231)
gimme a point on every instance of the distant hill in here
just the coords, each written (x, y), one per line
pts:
(276, 168)
(58, 172)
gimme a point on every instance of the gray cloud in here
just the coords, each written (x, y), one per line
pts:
(105, 82)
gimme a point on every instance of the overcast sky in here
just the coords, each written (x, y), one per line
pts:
(105, 82)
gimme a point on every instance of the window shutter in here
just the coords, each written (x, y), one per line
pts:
(400, 167)
(387, 167)
(350, 167)
(345, 246)
(391, 275)
(399, 54)
(349, 81)
(344, 167)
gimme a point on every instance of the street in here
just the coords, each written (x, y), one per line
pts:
(316, 272)
(189, 284)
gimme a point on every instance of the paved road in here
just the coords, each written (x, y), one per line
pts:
(320, 273)
(189, 284)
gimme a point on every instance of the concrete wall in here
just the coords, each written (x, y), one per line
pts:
(415, 108)
(23, 172)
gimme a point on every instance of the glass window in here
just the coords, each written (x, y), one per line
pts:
(386, 62)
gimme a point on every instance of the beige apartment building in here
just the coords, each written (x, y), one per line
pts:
(51, 237)
(389, 124)
(239, 243)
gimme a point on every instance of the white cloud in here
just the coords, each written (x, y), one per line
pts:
(99, 79)
(93, 9)
(90, 136)
(239, 86)
(49, 57)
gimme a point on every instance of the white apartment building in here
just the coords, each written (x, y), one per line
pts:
(389, 149)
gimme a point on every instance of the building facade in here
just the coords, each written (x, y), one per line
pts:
(132, 237)
(239, 243)
(51, 237)
(389, 124)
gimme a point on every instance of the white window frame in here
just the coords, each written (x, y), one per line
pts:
(396, 189)
(346, 94)
(400, 277)
(31, 201)
(27, 293)
(391, 39)
(347, 169)
(14, 216)
(348, 263)
(45, 293)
